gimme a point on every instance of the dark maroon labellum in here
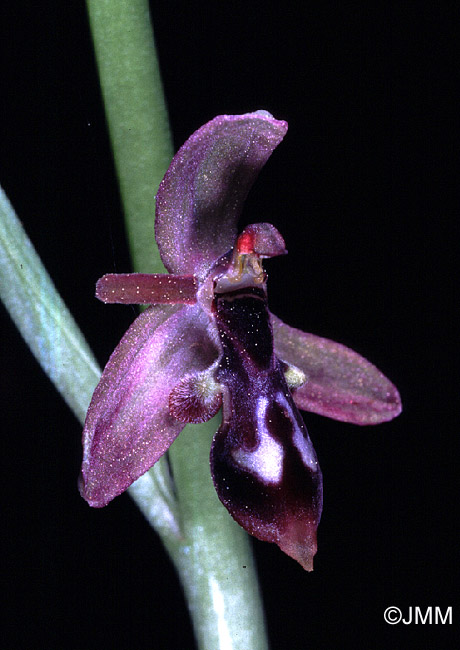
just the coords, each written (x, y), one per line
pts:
(263, 463)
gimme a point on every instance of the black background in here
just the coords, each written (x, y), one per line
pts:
(362, 189)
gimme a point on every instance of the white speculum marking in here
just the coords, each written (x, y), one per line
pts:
(266, 461)
(305, 449)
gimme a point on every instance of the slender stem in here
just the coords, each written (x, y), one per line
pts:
(42, 317)
(213, 558)
(136, 115)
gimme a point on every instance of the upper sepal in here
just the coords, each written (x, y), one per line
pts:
(340, 383)
(201, 196)
(128, 426)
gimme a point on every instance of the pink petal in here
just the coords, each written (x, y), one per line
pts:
(147, 289)
(201, 196)
(128, 426)
(340, 384)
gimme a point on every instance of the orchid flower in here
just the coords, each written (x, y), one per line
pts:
(208, 340)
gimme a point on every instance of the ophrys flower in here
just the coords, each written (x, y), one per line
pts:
(210, 340)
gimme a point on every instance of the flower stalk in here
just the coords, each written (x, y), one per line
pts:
(136, 115)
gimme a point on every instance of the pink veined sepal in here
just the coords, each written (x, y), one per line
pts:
(129, 425)
(339, 382)
(201, 197)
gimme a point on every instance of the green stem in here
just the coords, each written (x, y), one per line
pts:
(212, 554)
(42, 317)
(136, 115)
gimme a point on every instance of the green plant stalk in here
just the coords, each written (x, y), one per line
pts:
(136, 116)
(213, 556)
(41, 316)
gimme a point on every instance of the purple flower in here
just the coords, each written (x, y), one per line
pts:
(209, 340)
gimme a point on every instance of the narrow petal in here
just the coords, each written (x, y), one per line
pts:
(147, 289)
(201, 196)
(340, 383)
(128, 425)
